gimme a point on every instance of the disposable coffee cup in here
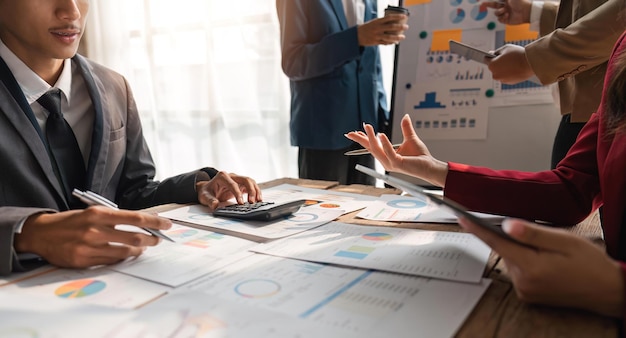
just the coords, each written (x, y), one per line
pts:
(397, 10)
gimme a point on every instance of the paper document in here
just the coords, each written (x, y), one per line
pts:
(196, 314)
(396, 208)
(368, 303)
(195, 253)
(439, 254)
(25, 316)
(16, 276)
(318, 198)
(95, 286)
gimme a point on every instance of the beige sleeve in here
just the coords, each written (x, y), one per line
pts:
(584, 44)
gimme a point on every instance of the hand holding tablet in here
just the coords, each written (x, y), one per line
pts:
(449, 205)
(469, 52)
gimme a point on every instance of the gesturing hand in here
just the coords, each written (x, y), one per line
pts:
(412, 157)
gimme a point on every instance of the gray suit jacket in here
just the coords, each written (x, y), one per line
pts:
(120, 166)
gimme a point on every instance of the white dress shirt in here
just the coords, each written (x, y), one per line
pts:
(535, 15)
(355, 11)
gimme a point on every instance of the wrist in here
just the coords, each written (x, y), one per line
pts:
(23, 241)
(439, 173)
(612, 299)
(526, 10)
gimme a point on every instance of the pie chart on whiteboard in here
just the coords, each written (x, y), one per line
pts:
(479, 13)
(457, 15)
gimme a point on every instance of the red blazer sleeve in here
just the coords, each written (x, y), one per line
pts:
(564, 196)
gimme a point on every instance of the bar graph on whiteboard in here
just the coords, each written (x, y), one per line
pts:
(525, 91)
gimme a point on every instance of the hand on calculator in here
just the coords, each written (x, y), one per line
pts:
(260, 211)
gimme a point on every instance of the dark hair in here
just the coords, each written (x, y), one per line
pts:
(615, 104)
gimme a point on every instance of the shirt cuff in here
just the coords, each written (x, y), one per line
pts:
(535, 15)
(17, 229)
(205, 174)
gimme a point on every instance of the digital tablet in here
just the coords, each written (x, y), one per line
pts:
(469, 52)
(447, 204)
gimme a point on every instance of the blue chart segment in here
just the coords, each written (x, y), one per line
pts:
(455, 2)
(464, 97)
(406, 204)
(355, 252)
(478, 13)
(457, 15)
(430, 101)
(521, 85)
(441, 57)
(470, 75)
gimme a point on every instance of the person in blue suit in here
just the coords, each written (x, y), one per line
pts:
(330, 54)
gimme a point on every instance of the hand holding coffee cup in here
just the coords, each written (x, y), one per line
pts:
(398, 10)
(402, 15)
(386, 30)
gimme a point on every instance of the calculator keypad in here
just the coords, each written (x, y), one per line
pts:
(247, 207)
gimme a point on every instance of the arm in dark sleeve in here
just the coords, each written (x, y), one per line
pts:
(137, 188)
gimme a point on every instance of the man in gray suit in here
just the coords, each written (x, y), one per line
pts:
(38, 44)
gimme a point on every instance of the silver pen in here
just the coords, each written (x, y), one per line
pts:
(91, 198)
(365, 151)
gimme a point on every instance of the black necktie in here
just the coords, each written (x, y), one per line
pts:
(67, 159)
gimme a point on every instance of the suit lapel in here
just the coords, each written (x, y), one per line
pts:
(371, 12)
(14, 106)
(337, 6)
(101, 126)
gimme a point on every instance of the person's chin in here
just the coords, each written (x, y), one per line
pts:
(65, 53)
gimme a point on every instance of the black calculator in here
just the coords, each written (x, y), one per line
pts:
(260, 211)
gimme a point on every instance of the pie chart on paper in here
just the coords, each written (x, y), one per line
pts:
(80, 288)
(377, 236)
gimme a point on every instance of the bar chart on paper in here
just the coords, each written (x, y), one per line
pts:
(438, 254)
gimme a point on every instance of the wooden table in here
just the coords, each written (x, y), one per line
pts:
(499, 313)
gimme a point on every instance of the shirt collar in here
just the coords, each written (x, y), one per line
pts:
(31, 84)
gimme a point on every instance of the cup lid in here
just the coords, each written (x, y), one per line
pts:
(398, 9)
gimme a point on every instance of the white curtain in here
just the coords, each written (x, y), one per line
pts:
(207, 80)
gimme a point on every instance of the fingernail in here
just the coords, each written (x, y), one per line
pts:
(506, 225)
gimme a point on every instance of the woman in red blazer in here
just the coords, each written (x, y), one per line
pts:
(562, 269)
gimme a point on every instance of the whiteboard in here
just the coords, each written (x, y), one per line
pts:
(518, 136)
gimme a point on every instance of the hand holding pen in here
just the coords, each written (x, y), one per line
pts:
(91, 198)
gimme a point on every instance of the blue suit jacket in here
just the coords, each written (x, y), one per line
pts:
(336, 85)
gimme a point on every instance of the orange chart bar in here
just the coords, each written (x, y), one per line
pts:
(519, 33)
(415, 2)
